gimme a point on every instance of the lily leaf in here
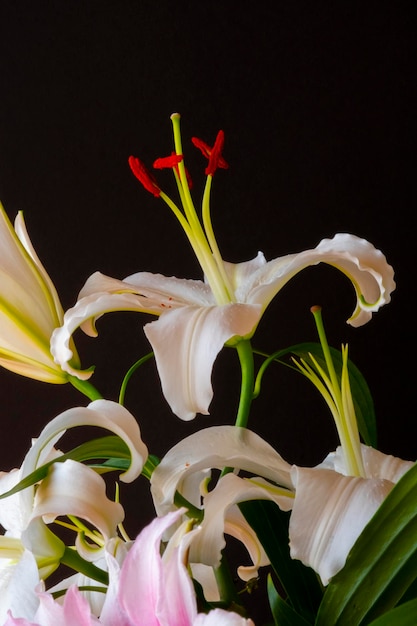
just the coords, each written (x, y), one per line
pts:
(382, 564)
(403, 615)
(300, 583)
(105, 448)
(282, 612)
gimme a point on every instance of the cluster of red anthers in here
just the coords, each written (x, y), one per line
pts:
(214, 156)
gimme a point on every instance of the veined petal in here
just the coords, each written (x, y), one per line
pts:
(22, 233)
(47, 548)
(236, 526)
(95, 598)
(177, 606)
(74, 610)
(101, 413)
(17, 263)
(85, 313)
(169, 289)
(376, 464)
(166, 291)
(14, 513)
(143, 596)
(363, 264)
(186, 342)
(241, 275)
(335, 509)
(230, 490)
(216, 447)
(380, 465)
(29, 306)
(31, 368)
(72, 488)
(17, 588)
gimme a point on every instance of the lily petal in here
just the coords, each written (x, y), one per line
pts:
(220, 515)
(60, 494)
(148, 594)
(142, 293)
(186, 338)
(186, 343)
(30, 307)
(362, 263)
(376, 464)
(46, 547)
(101, 413)
(193, 326)
(17, 588)
(74, 610)
(216, 447)
(335, 509)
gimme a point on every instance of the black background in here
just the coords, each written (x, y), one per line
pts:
(316, 101)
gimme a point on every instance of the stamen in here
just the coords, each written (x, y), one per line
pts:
(171, 162)
(216, 160)
(168, 162)
(212, 154)
(145, 177)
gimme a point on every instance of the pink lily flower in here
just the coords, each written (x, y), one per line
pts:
(147, 590)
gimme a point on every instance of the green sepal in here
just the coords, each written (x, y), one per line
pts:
(382, 565)
(300, 583)
(282, 612)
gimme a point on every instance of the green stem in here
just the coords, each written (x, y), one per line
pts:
(131, 371)
(225, 585)
(245, 352)
(85, 387)
(316, 311)
(72, 559)
(192, 511)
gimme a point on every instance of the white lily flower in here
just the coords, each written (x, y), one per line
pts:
(70, 488)
(103, 414)
(29, 307)
(197, 318)
(216, 448)
(222, 516)
(329, 507)
(336, 507)
(18, 582)
(73, 489)
(181, 469)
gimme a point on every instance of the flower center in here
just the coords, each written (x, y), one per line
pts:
(199, 231)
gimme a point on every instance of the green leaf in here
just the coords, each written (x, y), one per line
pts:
(382, 564)
(300, 583)
(282, 612)
(72, 559)
(111, 447)
(403, 615)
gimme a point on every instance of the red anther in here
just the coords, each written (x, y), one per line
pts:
(214, 154)
(170, 161)
(142, 174)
